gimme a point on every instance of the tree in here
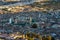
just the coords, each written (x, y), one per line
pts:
(34, 26)
(53, 38)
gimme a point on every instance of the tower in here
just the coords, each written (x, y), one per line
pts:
(30, 20)
(10, 20)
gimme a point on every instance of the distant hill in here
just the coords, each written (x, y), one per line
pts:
(7, 3)
(22, 2)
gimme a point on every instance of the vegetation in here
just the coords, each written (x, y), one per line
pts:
(34, 26)
(5, 9)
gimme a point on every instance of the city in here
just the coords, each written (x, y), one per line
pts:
(35, 20)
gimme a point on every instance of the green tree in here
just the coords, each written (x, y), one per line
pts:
(34, 26)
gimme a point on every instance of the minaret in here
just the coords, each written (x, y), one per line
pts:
(39, 15)
(30, 20)
(10, 20)
(16, 21)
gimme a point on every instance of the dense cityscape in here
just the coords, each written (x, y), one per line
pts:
(29, 19)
